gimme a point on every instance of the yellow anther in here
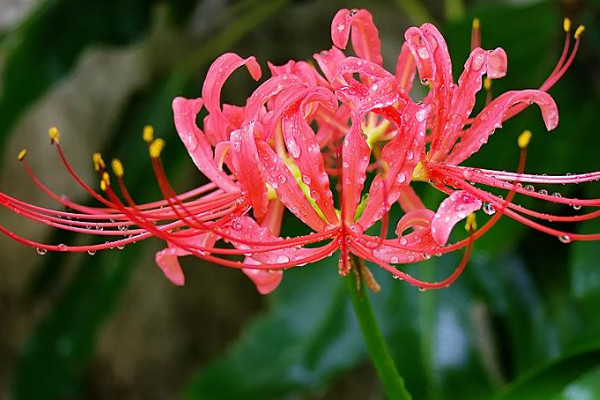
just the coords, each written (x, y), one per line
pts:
(156, 147)
(98, 161)
(117, 167)
(524, 139)
(22, 154)
(567, 24)
(487, 84)
(148, 134)
(471, 224)
(105, 182)
(579, 31)
(420, 173)
(476, 24)
(54, 134)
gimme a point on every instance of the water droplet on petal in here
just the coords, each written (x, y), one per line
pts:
(394, 260)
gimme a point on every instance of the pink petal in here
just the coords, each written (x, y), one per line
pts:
(245, 161)
(216, 76)
(452, 210)
(365, 36)
(168, 263)
(167, 259)
(405, 68)
(276, 174)
(497, 63)
(416, 219)
(493, 114)
(184, 112)
(302, 145)
(422, 53)
(355, 160)
(265, 281)
(328, 61)
(401, 155)
(247, 230)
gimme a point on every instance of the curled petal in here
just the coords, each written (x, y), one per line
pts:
(302, 145)
(184, 112)
(167, 259)
(265, 281)
(245, 161)
(246, 229)
(328, 61)
(400, 156)
(216, 76)
(355, 160)
(493, 114)
(416, 219)
(497, 63)
(365, 36)
(452, 210)
(276, 174)
(405, 68)
(169, 264)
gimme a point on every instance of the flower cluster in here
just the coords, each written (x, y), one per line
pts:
(336, 148)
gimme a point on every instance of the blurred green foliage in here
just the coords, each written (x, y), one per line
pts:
(521, 323)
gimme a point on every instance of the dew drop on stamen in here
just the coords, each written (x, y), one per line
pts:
(530, 188)
(543, 192)
(91, 252)
(576, 206)
(489, 208)
(120, 246)
(565, 239)
(557, 195)
(41, 251)
(62, 247)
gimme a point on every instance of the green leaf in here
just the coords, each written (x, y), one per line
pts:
(308, 336)
(559, 378)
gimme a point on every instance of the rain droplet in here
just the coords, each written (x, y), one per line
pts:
(62, 247)
(394, 260)
(529, 187)
(489, 208)
(576, 206)
(41, 251)
(543, 192)
(283, 259)
(565, 239)
(91, 252)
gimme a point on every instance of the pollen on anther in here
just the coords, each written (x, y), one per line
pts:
(471, 224)
(117, 167)
(579, 31)
(54, 134)
(156, 147)
(487, 84)
(98, 161)
(22, 154)
(105, 181)
(524, 139)
(148, 134)
(567, 24)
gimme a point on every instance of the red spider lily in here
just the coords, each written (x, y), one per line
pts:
(266, 156)
(454, 135)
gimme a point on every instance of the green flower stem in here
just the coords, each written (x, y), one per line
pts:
(391, 380)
